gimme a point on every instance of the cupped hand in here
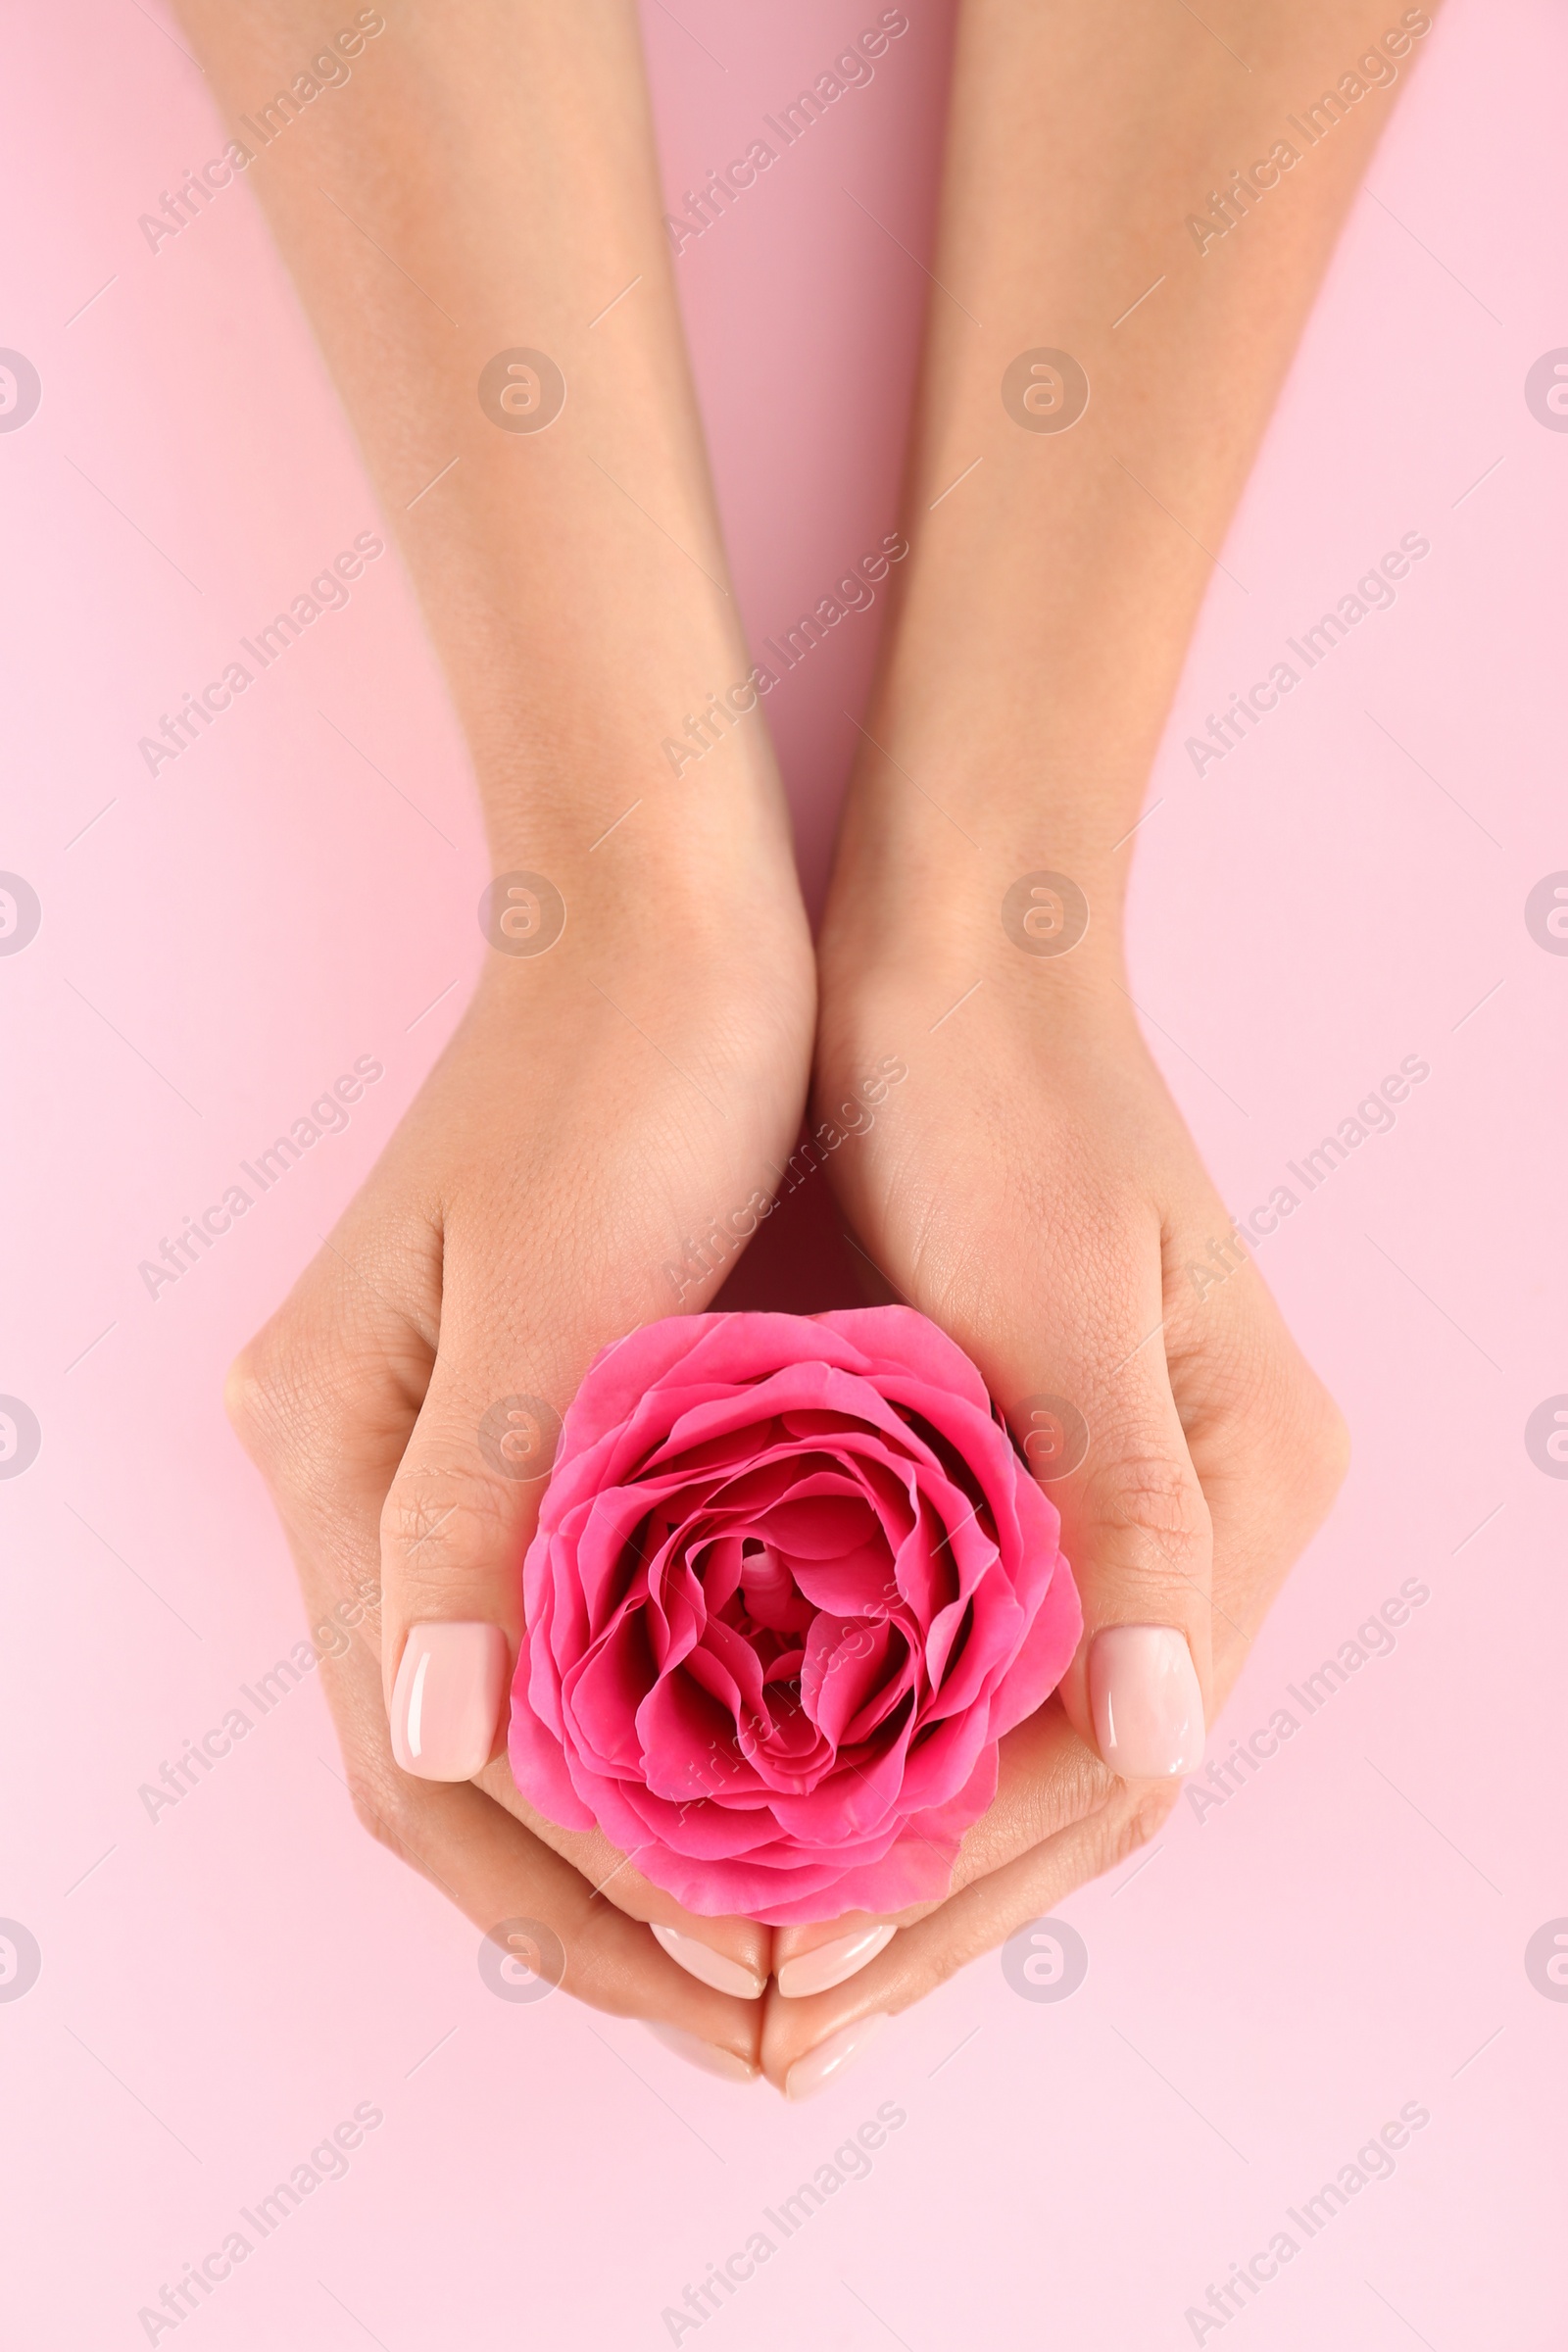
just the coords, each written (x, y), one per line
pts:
(603, 1107)
(1032, 1187)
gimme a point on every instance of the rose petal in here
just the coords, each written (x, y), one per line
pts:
(790, 1583)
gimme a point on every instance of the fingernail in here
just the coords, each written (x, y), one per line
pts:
(823, 2065)
(829, 1964)
(705, 2056)
(699, 1960)
(1147, 1707)
(447, 1698)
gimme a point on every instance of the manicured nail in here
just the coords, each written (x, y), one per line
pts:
(699, 1960)
(705, 2056)
(829, 1964)
(1147, 1707)
(823, 2065)
(446, 1699)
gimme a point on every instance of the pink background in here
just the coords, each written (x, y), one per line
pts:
(1344, 1935)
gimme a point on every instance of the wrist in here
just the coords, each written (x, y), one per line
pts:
(680, 892)
(679, 787)
(983, 862)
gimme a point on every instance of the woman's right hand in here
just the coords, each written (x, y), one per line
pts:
(600, 1105)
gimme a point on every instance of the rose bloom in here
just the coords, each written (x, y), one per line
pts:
(790, 1584)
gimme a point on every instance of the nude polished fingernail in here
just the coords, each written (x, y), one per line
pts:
(705, 2056)
(830, 1964)
(1146, 1703)
(823, 2065)
(699, 1960)
(447, 1700)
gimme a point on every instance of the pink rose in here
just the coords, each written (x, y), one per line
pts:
(789, 1586)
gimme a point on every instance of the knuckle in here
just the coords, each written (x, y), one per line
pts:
(1126, 1827)
(252, 1395)
(1302, 1437)
(1151, 1811)
(380, 1800)
(282, 1400)
(1074, 1790)
(438, 1525)
(1153, 1508)
(1241, 1377)
(1325, 1443)
(948, 1953)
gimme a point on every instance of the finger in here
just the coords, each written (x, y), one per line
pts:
(325, 1396)
(1074, 1353)
(734, 1955)
(324, 1400)
(808, 2044)
(528, 1899)
(1059, 1301)
(458, 1515)
(1267, 1441)
(500, 1875)
(1047, 1779)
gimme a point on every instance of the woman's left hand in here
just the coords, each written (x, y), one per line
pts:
(1031, 1188)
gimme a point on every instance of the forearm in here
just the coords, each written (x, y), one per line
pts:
(1048, 607)
(486, 183)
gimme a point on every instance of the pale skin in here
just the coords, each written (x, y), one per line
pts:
(1031, 1185)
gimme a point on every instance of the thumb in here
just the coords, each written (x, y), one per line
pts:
(1089, 1398)
(457, 1520)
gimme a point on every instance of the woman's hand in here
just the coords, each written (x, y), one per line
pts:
(518, 382)
(601, 1104)
(1096, 380)
(1031, 1187)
